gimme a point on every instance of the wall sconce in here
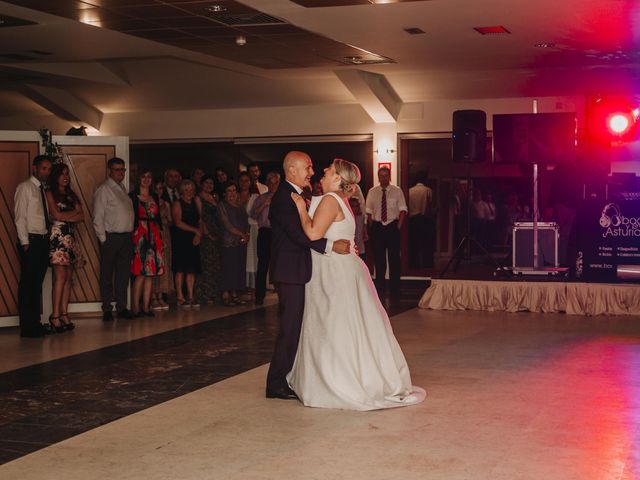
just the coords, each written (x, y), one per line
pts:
(386, 150)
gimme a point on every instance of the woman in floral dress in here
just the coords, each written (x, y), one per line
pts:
(147, 260)
(163, 284)
(65, 210)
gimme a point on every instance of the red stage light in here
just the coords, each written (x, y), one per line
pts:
(612, 119)
(619, 123)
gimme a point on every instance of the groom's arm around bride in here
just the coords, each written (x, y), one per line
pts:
(290, 268)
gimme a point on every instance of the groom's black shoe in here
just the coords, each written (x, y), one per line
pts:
(285, 393)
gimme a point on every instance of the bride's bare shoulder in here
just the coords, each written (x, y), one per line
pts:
(330, 205)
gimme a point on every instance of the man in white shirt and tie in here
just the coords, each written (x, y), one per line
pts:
(32, 226)
(386, 210)
(113, 224)
(172, 179)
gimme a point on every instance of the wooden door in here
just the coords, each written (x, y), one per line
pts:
(15, 165)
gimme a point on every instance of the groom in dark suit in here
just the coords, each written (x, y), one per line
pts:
(291, 268)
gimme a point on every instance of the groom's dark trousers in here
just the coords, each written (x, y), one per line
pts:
(290, 271)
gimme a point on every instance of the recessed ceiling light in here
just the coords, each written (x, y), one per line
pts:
(215, 8)
(495, 30)
(545, 45)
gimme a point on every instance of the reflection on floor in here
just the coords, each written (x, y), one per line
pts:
(510, 396)
(141, 363)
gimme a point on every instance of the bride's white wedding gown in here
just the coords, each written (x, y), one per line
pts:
(348, 357)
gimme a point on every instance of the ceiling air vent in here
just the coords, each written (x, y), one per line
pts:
(414, 31)
(495, 30)
(244, 19)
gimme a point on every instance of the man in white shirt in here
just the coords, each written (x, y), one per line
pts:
(421, 223)
(172, 179)
(256, 186)
(32, 226)
(386, 210)
(113, 224)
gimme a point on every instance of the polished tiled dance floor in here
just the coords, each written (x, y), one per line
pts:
(510, 396)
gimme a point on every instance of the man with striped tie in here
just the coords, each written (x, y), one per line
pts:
(386, 210)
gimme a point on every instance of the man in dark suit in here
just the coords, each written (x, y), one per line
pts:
(291, 268)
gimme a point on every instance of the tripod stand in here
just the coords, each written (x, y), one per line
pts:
(463, 250)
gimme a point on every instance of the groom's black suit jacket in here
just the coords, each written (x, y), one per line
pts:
(290, 246)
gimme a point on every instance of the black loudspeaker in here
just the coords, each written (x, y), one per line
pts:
(469, 139)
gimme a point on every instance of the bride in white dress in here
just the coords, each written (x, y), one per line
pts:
(348, 357)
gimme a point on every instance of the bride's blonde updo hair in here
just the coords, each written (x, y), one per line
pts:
(349, 175)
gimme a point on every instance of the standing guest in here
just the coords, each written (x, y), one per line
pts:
(479, 215)
(221, 179)
(360, 196)
(187, 234)
(163, 284)
(113, 223)
(256, 187)
(316, 189)
(65, 209)
(246, 198)
(32, 224)
(422, 229)
(172, 179)
(234, 225)
(386, 210)
(147, 243)
(208, 283)
(196, 177)
(360, 236)
(260, 213)
(491, 219)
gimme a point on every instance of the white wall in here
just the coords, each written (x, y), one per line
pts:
(432, 116)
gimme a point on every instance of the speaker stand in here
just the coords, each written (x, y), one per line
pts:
(469, 240)
(465, 245)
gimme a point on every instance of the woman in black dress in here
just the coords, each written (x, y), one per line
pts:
(187, 213)
(65, 211)
(234, 225)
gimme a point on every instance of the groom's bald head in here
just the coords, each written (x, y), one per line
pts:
(298, 168)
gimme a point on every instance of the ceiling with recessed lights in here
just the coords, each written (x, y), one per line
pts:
(131, 55)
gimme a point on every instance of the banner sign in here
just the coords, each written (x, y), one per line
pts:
(608, 237)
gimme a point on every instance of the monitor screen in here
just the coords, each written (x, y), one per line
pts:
(543, 138)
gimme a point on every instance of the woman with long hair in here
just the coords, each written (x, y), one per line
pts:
(65, 210)
(147, 260)
(247, 199)
(163, 284)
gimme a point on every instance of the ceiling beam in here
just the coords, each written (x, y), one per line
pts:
(64, 104)
(99, 72)
(374, 93)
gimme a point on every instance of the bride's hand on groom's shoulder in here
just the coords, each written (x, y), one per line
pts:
(299, 200)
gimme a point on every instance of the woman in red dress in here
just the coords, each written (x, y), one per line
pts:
(147, 242)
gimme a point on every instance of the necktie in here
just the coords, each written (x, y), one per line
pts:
(254, 188)
(47, 222)
(175, 194)
(383, 210)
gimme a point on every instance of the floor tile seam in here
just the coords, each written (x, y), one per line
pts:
(103, 352)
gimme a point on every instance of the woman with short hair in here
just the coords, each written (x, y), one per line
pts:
(187, 214)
